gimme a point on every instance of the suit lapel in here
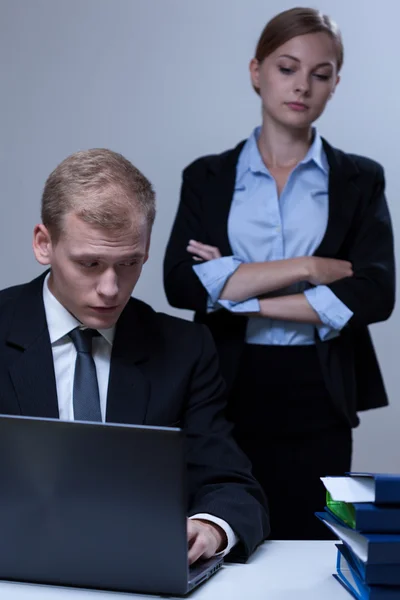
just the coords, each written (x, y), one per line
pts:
(128, 389)
(219, 199)
(343, 200)
(32, 370)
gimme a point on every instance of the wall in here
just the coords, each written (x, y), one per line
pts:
(164, 82)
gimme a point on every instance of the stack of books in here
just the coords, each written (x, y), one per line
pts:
(363, 511)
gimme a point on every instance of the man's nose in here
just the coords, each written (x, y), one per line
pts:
(108, 284)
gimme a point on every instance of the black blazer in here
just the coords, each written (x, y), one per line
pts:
(164, 371)
(359, 230)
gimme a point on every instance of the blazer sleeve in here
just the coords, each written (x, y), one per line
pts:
(220, 482)
(370, 293)
(182, 286)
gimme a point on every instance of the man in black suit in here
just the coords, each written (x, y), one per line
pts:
(140, 367)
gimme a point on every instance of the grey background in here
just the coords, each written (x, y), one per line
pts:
(163, 82)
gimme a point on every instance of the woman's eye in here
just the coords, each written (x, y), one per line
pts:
(285, 70)
(322, 77)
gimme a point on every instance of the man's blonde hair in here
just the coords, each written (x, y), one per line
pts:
(101, 187)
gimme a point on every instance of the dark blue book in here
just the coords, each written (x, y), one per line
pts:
(376, 488)
(366, 517)
(373, 548)
(350, 578)
(372, 574)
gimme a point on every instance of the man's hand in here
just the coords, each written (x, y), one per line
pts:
(205, 539)
(322, 271)
(202, 251)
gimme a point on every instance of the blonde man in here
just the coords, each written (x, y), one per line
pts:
(142, 367)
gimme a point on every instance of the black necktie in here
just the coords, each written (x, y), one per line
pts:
(86, 390)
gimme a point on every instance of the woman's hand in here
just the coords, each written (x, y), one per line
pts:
(202, 251)
(323, 271)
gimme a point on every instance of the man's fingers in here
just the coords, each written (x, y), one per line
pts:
(194, 545)
(196, 549)
(200, 548)
(202, 543)
(191, 530)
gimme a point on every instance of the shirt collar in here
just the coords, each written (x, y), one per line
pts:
(316, 153)
(60, 321)
(250, 157)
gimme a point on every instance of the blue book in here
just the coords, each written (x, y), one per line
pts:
(366, 517)
(371, 574)
(373, 548)
(350, 578)
(376, 488)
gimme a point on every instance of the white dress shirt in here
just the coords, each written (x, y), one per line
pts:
(60, 322)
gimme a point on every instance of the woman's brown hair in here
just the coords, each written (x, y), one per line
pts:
(297, 21)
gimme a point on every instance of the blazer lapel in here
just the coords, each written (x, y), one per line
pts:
(32, 370)
(128, 389)
(219, 198)
(343, 200)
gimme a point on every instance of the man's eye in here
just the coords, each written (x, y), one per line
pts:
(88, 264)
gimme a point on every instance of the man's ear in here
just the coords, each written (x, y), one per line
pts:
(42, 245)
(146, 256)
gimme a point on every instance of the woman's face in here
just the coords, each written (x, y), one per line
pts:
(297, 80)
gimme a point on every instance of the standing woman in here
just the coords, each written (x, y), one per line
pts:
(283, 246)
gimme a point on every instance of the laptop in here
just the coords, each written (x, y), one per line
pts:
(95, 505)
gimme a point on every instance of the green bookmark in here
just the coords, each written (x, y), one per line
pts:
(343, 510)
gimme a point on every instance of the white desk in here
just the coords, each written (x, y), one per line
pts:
(277, 571)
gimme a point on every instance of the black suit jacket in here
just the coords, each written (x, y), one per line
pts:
(164, 371)
(359, 230)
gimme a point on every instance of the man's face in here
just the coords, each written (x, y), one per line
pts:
(93, 270)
